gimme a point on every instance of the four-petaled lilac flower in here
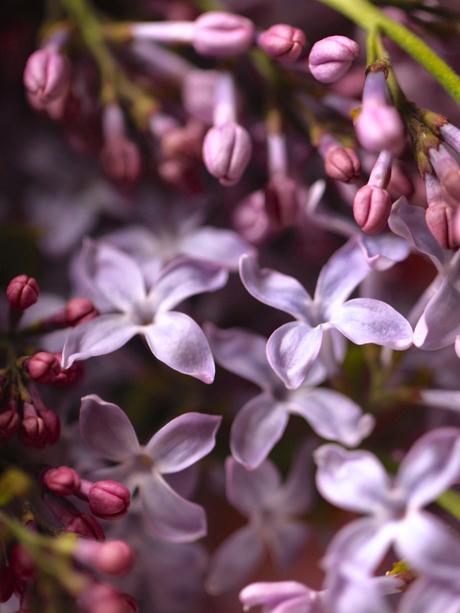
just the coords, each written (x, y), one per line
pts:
(357, 481)
(115, 284)
(294, 347)
(179, 444)
(261, 422)
(270, 507)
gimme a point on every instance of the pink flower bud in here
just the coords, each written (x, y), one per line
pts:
(283, 42)
(440, 220)
(101, 598)
(111, 557)
(70, 375)
(22, 292)
(33, 432)
(109, 499)
(9, 420)
(226, 152)
(79, 310)
(22, 563)
(121, 160)
(63, 481)
(281, 202)
(342, 164)
(53, 426)
(251, 218)
(47, 75)
(371, 208)
(331, 57)
(7, 583)
(86, 526)
(220, 34)
(43, 367)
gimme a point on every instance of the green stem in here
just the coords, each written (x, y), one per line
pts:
(371, 18)
(450, 502)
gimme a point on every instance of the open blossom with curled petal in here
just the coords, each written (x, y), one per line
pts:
(262, 421)
(320, 322)
(357, 481)
(271, 508)
(117, 288)
(179, 444)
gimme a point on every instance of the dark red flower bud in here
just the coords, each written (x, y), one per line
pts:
(22, 563)
(79, 310)
(63, 481)
(9, 420)
(87, 526)
(22, 292)
(342, 164)
(109, 499)
(43, 367)
(33, 432)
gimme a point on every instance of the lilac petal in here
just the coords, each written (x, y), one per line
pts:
(352, 480)
(170, 516)
(183, 441)
(274, 288)
(382, 252)
(295, 496)
(223, 247)
(442, 399)
(286, 541)
(175, 339)
(365, 320)
(292, 350)
(429, 546)
(107, 430)
(440, 323)
(113, 277)
(348, 590)
(360, 544)
(242, 353)
(408, 221)
(99, 336)
(250, 491)
(184, 482)
(269, 595)
(183, 278)
(431, 466)
(428, 596)
(256, 429)
(341, 275)
(332, 415)
(234, 560)
(136, 241)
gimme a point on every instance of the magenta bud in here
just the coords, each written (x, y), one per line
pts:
(440, 220)
(220, 34)
(79, 310)
(109, 499)
(33, 431)
(331, 57)
(46, 75)
(22, 292)
(251, 218)
(121, 160)
(283, 42)
(379, 127)
(9, 421)
(281, 202)
(53, 426)
(371, 208)
(7, 583)
(43, 367)
(22, 563)
(111, 557)
(226, 152)
(101, 598)
(63, 481)
(342, 164)
(85, 525)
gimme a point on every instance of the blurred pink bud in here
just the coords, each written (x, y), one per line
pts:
(371, 208)
(43, 367)
(220, 34)
(281, 202)
(101, 598)
(9, 420)
(22, 563)
(342, 164)
(283, 42)
(22, 292)
(183, 140)
(111, 557)
(226, 152)
(68, 376)
(47, 75)
(63, 481)
(53, 426)
(440, 218)
(251, 218)
(121, 159)
(331, 57)
(79, 310)
(7, 583)
(33, 432)
(85, 525)
(109, 499)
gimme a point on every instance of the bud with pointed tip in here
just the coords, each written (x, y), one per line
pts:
(22, 292)
(109, 499)
(111, 557)
(371, 208)
(331, 57)
(63, 481)
(47, 75)
(226, 152)
(440, 220)
(342, 164)
(221, 34)
(283, 42)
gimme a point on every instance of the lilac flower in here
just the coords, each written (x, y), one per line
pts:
(270, 508)
(356, 481)
(116, 286)
(261, 422)
(179, 444)
(293, 348)
(428, 596)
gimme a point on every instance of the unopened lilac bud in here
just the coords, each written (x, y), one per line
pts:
(371, 208)
(226, 152)
(101, 598)
(85, 525)
(79, 310)
(220, 34)
(33, 432)
(121, 160)
(9, 420)
(47, 75)
(111, 557)
(22, 563)
(281, 202)
(283, 42)
(43, 367)
(440, 220)
(251, 218)
(109, 499)
(22, 292)
(342, 164)
(331, 57)
(63, 481)
(53, 426)
(7, 583)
